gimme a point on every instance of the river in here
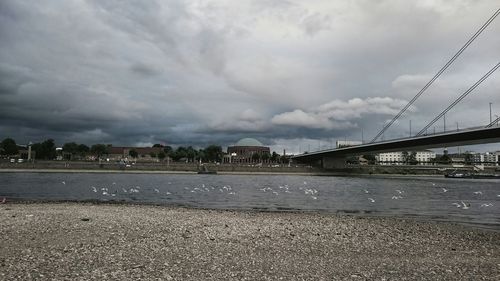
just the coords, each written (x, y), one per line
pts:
(466, 201)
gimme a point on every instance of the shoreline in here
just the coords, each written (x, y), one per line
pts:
(94, 171)
(82, 241)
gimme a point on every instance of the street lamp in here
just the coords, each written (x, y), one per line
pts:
(490, 112)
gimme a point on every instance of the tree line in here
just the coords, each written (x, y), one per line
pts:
(46, 150)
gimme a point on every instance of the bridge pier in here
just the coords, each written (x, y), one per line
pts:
(333, 162)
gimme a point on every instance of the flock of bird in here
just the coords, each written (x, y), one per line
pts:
(309, 192)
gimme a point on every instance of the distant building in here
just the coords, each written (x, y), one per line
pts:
(117, 153)
(423, 157)
(487, 158)
(243, 151)
(346, 143)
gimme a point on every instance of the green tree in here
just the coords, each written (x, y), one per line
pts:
(133, 153)
(99, 149)
(157, 145)
(468, 158)
(70, 147)
(152, 154)
(406, 157)
(161, 155)
(371, 158)
(266, 156)
(9, 147)
(168, 150)
(213, 153)
(412, 159)
(275, 157)
(45, 150)
(256, 157)
(284, 159)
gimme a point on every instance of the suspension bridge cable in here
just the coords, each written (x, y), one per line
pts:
(493, 123)
(459, 99)
(437, 74)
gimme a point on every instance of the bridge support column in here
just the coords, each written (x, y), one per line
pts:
(333, 162)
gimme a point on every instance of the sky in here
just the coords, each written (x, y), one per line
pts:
(296, 75)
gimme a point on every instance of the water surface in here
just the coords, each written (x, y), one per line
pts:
(466, 201)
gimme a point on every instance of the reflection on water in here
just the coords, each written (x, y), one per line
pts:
(459, 200)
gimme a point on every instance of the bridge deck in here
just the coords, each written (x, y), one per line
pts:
(448, 139)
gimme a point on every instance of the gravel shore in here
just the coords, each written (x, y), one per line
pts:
(76, 241)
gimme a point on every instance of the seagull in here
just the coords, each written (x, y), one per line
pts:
(478, 192)
(274, 192)
(232, 193)
(486, 205)
(465, 206)
(63, 182)
(3, 200)
(399, 191)
(94, 189)
(433, 184)
(372, 200)
(168, 193)
(105, 193)
(156, 190)
(366, 191)
(394, 197)
(124, 190)
(456, 204)
(444, 189)
(314, 197)
(305, 183)
(114, 183)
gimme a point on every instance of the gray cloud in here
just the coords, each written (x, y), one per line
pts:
(199, 72)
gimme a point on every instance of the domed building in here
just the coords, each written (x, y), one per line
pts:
(244, 149)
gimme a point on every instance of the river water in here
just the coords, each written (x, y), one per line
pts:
(466, 201)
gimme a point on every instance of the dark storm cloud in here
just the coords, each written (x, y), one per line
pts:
(200, 72)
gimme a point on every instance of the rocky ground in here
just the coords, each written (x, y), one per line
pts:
(72, 241)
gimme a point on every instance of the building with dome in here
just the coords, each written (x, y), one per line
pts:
(244, 149)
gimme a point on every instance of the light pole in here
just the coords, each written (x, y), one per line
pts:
(490, 112)
(496, 118)
(410, 128)
(444, 121)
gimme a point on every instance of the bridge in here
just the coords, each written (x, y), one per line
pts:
(335, 158)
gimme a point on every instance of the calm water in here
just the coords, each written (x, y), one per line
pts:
(466, 201)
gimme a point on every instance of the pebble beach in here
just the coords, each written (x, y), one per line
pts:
(89, 241)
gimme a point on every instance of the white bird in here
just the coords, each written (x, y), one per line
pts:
(232, 193)
(93, 188)
(105, 193)
(114, 183)
(444, 189)
(486, 205)
(478, 192)
(372, 200)
(168, 193)
(465, 206)
(433, 184)
(314, 197)
(203, 185)
(394, 197)
(457, 205)
(366, 191)
(124, 190)
(275, 193)
(399, 191)
(156, 190)
(305, 183)
(63, 182)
